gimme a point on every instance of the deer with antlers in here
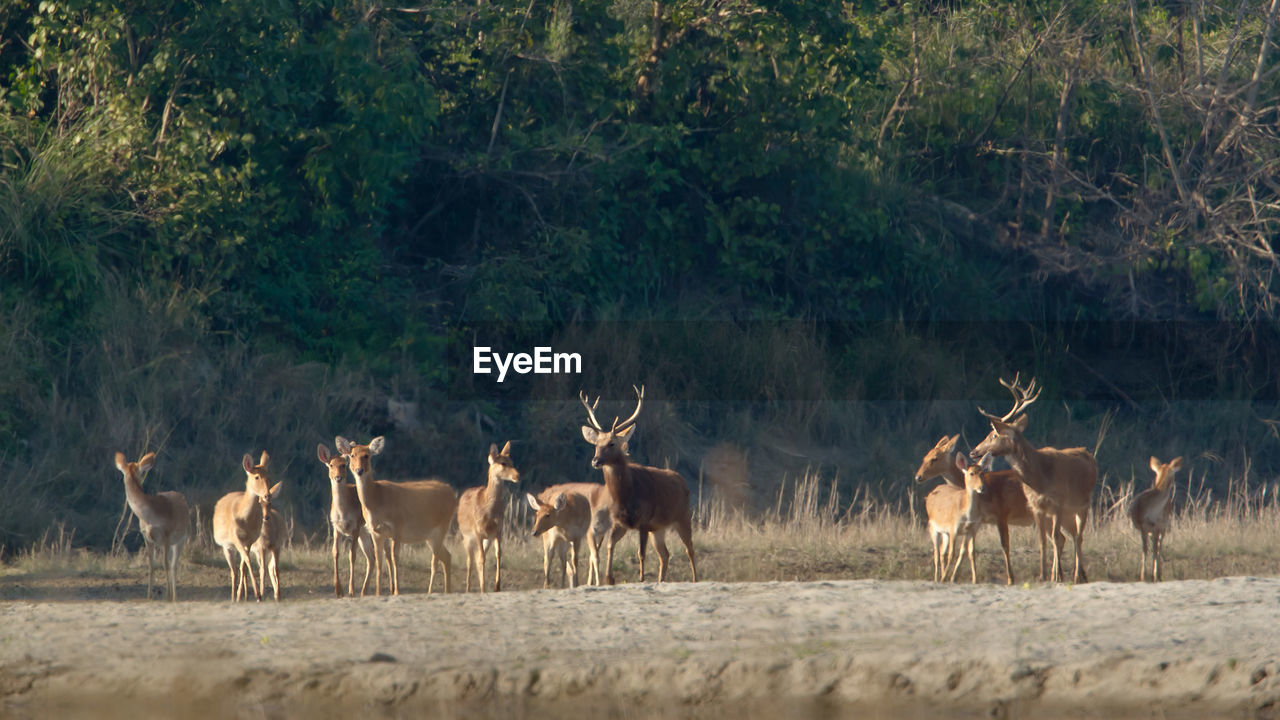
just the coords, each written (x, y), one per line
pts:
(400, 512)
(480, 511)
(646, 499)
(1058, 483)
(998, 499)
(1151, 511)
(163, 519)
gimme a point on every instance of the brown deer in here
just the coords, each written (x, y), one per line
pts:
(1058, 483)
(1000, 497)
(163, 519)
(237, 522)
(1151, 511)
(643, 498)
(601, 526)
(267, 547)
(480, 511)
(347, 520)
(562, 519)
(397, 513)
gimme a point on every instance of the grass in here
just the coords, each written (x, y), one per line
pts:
(809, 534)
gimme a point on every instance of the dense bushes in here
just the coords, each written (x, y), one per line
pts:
(224, 224)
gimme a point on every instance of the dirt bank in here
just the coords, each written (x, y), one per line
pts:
(1187, 647)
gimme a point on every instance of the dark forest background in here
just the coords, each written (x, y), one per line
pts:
(817, 232)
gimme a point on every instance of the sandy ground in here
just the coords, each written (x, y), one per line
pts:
(823, 649)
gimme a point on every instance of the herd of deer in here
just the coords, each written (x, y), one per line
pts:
(1047, 488)
(379, 515)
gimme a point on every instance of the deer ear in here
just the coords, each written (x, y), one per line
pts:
(493, 453)
(343, 445)
(377, 444)
(264, 459)
(246, 462)
(1176, 463)
(1155, 464)
(589, 434)
(506, 449)
(961, 462)
(1020, 423)
(322, 452)
(275, 490)
(625, 435)
(533, 501)
(950, 442)
(560, 500)
(121, 462)
(147, 462)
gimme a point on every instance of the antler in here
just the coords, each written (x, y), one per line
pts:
(631, 420)
(617, 427)
(1022, 398)
(591, 407)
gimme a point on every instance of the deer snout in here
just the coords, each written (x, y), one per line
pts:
(976, 455)
(595, 462)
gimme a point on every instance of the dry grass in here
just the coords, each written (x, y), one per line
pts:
(808, 534)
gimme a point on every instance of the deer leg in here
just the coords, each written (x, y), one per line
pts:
(395, 565)
(685, 530)
(275, 577)
(468, 546)
(351, 564)
(227, 552)
(644, 545)
(1081, 520)
(337, 582)
(246, 568)
(572, 566)
(167, 586)
(614, 535)
(660, 544)
(365, 543)
(1157, 540)
(1003, 527)
(481, 558)
(497, 563)
(151, 552)
(973, 569)
(446, 560)
(378, 552)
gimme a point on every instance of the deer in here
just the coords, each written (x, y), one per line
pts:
(646, 499)
(267, 547)
(397, 513)
(562, 519)
(163, 519)
(597, 496)
(1058, 483)
(237, 522)
(999, 494)
(1151, 511)
(480, 511)
(346, 518)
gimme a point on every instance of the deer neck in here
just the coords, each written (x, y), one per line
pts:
(1029, 463)
(617, 478)
(953, 476)
(492, 495)
(138, 500)
(248, 511)
(366, 489)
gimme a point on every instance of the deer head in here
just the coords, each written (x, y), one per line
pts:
(337, 463)
(360, 457)
(135, 470)
(257, 482)
(1008, 429)
(500, 465)
(935, 461)
(547, 512)
(1164, 472)
(611, 444)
